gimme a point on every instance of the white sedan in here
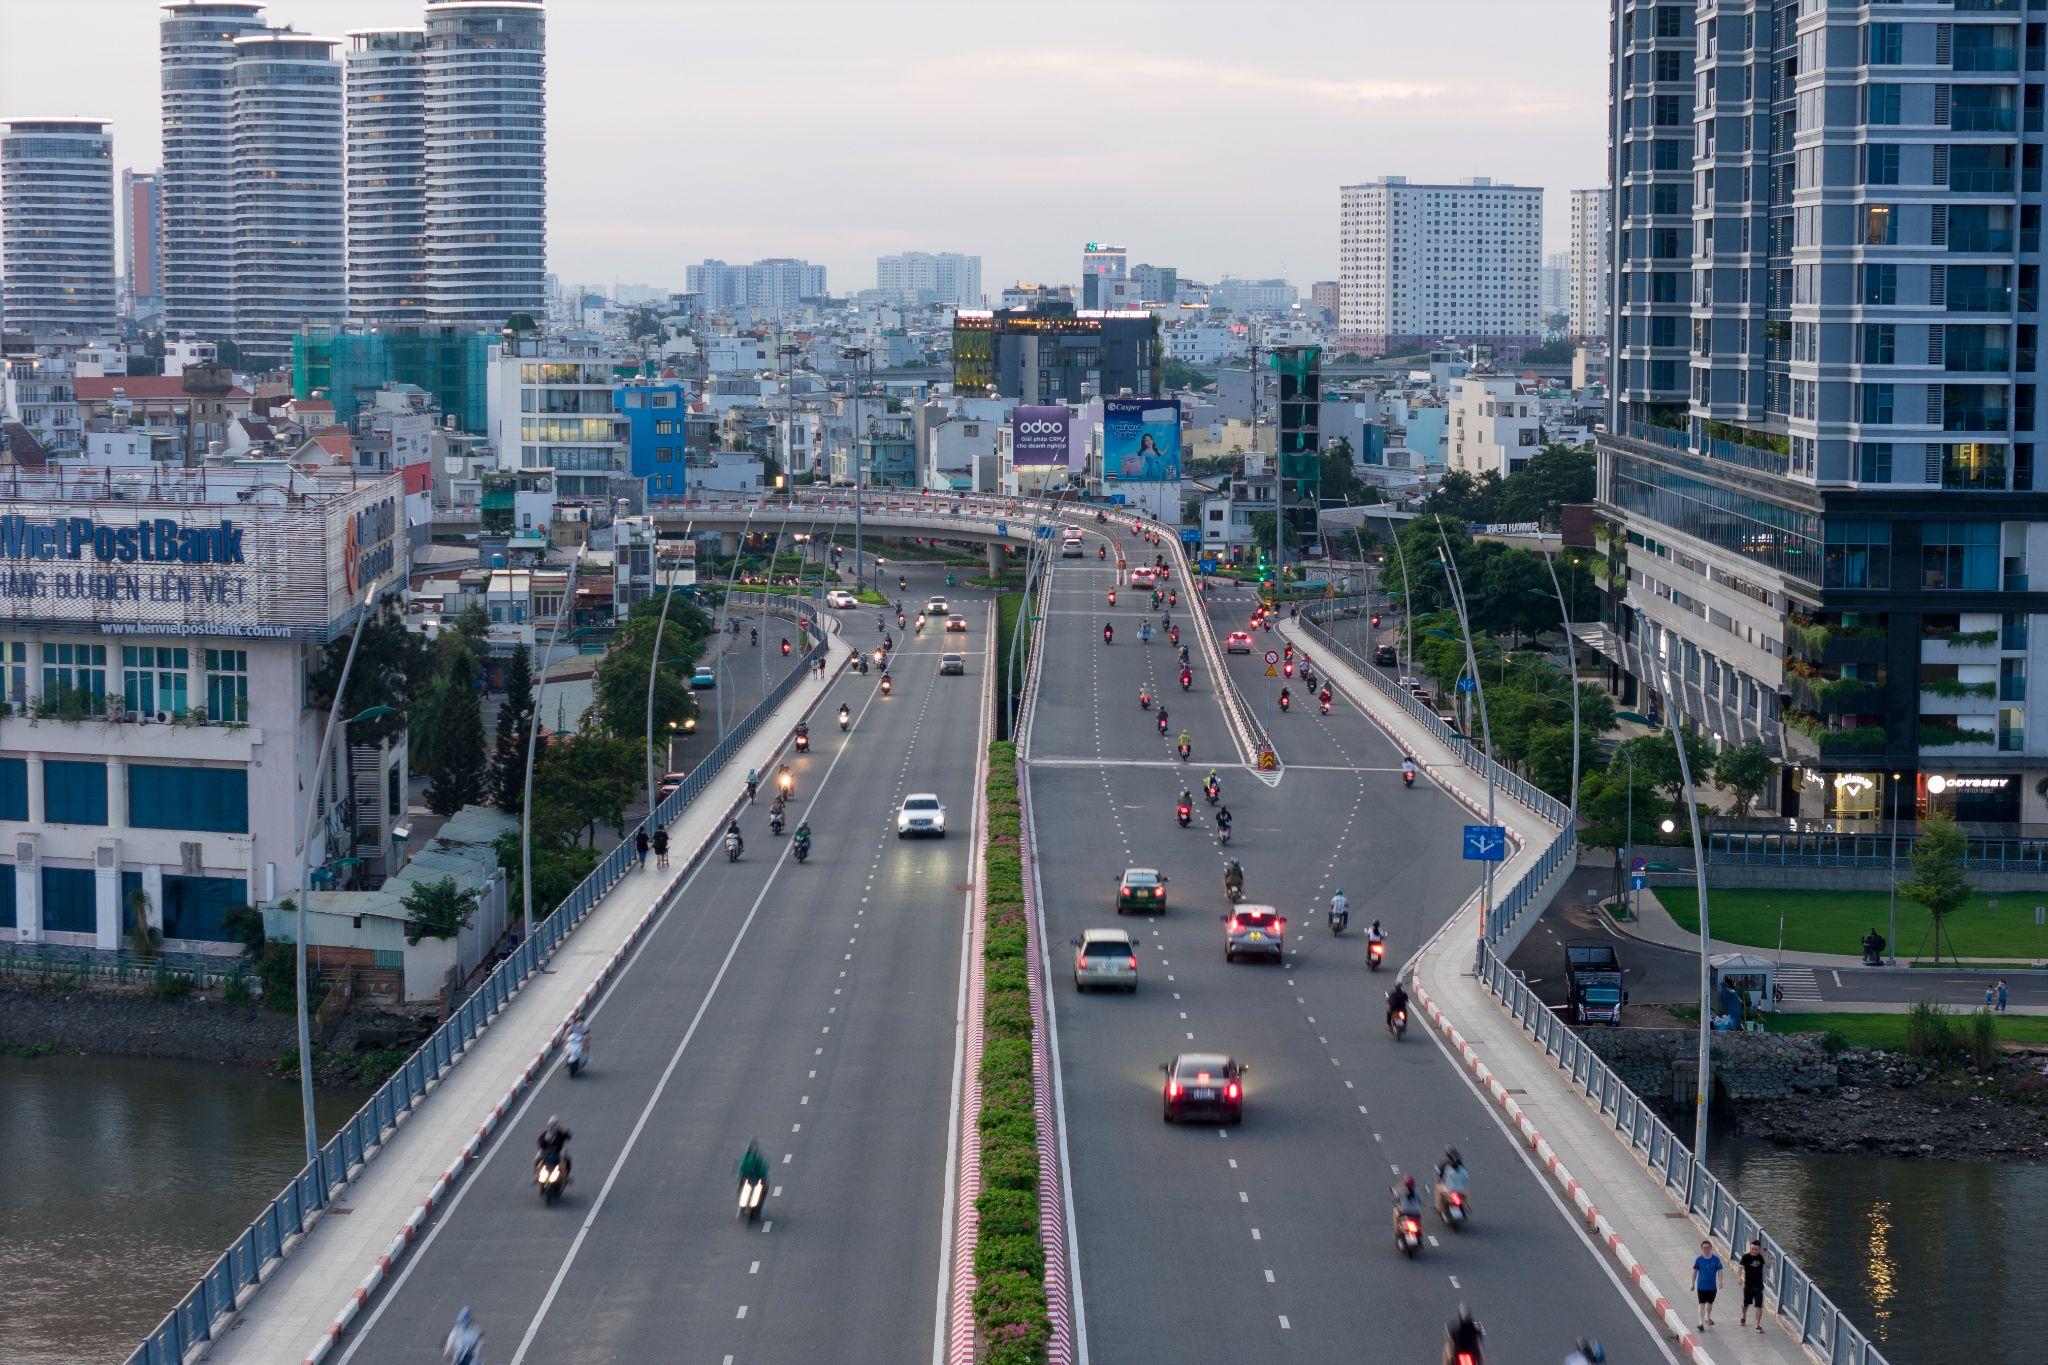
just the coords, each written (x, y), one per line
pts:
(839, 599)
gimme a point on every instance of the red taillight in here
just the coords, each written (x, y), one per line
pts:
(1411, 1225)
(1232, 1091)
(1464, 1358)
(1457, 1198)
(1173, 1090)
(1133, 963)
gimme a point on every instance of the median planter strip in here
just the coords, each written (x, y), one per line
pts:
(1009, 1256)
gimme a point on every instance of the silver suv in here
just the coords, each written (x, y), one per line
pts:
(1254, 931)
(1105, 957)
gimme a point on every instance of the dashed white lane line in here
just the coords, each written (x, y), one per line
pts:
(753, 1269)
(743, 1310)
(1269, 1277)
(1284, 1324)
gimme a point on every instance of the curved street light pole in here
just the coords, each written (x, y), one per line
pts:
(1571, 655)
(532, 736)
(1699, 868)
(654, 663)
(857, 354)
(725, 609)
(1456, 582)
(313, 787)
(1407, 597)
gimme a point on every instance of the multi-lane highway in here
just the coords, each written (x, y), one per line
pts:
(1269, 1241)
(811, 1007)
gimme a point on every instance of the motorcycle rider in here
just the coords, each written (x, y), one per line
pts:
(1407, 1202)
(1285, 698)
(845, 716)
(1187, 677)
(732, 831)
(1340, 907)
(753, 783)
(1462, 1337)
(1212, 786)
(465, 1341)
(1184, 744)
(577, 1041)
(775, 816)
(1183, 656)
(1223, 822)
(803, 836)
(1375, 934)
(553, 1146)
(1586, 1352)
(1144, 699)
(1108, 633)
(1451, 1178)
(1397, 1001)
(1407, 770)
(753, 1166)
(1162, 722)
(1233, 876)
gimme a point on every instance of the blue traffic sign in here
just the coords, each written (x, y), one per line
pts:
(1468, 683)
(1637, 881)
(1638, 865)
(1002, 528)
(1043, 533)
(1485, 843)
(1118, 499)
(1191, 535)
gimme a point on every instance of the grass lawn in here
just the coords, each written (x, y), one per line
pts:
(1887, 1031)
(1835, 921)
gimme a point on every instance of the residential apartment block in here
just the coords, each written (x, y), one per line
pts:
(1422, 264)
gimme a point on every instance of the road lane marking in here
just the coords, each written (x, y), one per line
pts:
(755, 1268)
(1269, 1277)
(743, 1310)
(1283, 1322)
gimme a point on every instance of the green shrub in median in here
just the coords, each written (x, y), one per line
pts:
(1009, 1259)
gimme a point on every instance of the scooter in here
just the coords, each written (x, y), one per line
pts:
(732, 848)
(1187, 680)
(1184, 813)
(577, 1052)
(775, 822)
(1407, 778)
(1408, 1234)
(1211, 792)
(801, 847)
(752, 1192)
(1399, 1026)
(1233, 893)
(548, 1178)
(1286, 702)
(1326, 708)
(1144, 701)
(1338, 920)
(803, 744)
(887, 685)
(1162, 726)
(1223, 835)
(1184, 753)
(1375, 953)
(845, 719)
(1452, 1208)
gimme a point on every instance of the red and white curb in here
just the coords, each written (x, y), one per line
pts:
(416, 1224)
(1581, 1199)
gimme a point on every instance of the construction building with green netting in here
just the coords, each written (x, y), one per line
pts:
(454, 366)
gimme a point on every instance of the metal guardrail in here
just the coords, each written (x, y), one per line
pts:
(1727, 849)
(1789, 1291)
(246, 1262)
(1806, 1311)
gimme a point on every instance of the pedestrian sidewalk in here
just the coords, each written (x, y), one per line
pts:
(335, 1267)
(1622, 1204)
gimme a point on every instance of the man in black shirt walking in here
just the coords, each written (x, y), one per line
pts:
(1753, 1263)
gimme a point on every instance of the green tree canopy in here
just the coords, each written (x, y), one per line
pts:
(1744, 771)
(438, 909)
(460, 762)
(508, 752)
(392, 667)
(1937, 880)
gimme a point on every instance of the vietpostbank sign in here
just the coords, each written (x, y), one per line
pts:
(158, 541)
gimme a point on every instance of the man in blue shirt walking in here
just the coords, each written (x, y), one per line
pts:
(1706, 1282)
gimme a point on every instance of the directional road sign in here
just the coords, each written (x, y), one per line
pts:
(1485, 843)
(1043, 533)
(1637, 881)
(1468, 684)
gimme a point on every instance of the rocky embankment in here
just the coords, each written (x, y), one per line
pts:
(132, 1023)
(1887, 1102)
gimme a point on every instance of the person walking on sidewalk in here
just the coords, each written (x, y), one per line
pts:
(1706, 1282)
(1990, 995)
(661, 848)
(2001, 995)
(640, 844)
(1753, 1265)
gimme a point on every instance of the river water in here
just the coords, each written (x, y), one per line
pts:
(1939, 1261)
(125, 1178)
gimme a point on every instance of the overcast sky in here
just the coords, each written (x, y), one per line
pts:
(1205, 134)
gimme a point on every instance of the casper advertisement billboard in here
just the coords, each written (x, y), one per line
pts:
(1140, 440)
(1039, 436)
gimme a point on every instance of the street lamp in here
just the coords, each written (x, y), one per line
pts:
(1407, 597)
(532, 736)
(857, 354)
(319, 780)
(1571, 646)
(1699, 867)
(1456, 582)
(1891, 945)
(654, 661)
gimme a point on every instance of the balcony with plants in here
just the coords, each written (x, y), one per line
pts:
(1833, 696)
(1822, 642)
(1952, 638)
(1960, 734)
(1953, 690)
(1811, 735)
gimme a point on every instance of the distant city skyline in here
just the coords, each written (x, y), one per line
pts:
(874, 101)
